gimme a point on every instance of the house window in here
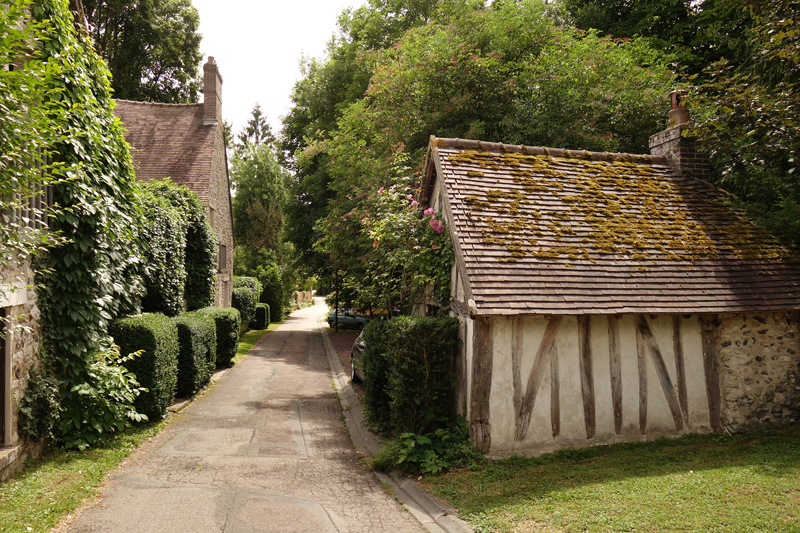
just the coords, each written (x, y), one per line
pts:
(29, 208)
(222, 264)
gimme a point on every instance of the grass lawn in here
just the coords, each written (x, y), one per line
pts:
(702, 483)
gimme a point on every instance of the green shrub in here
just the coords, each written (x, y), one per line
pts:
(40, 408)
(408, 376)
(157, 367)
(247, 281)
(419, 353)
(244, 300)
(197, 335)
(164, 232)
(376, 377)
(447, 447)
(227, 320)
(262, 316)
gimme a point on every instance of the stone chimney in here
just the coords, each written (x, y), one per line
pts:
(212, 93)
(679, 151)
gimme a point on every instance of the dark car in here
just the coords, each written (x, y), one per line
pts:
(347, 319)
(356, 365)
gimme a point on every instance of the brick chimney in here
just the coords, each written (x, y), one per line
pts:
(679, 151)
(212, 93)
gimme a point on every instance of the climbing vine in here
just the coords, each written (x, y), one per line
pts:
(96, 275)
(201, 243)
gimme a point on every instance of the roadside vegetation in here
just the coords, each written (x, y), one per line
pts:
(712, 483)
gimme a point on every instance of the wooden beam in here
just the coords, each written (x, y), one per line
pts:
(555, 394)
(481, 384)
(661, 370)
(587, 376)
(516, 359)
(535, 378)
(615, 362)
(709, 324)
(642, 362)
(680, 367)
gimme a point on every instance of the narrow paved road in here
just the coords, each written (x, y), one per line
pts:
(264, 451)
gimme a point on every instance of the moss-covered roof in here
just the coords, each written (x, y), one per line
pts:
(552, 231)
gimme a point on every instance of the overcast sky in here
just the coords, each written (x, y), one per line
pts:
(258, 45)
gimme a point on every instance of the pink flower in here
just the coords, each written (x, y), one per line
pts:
(434, 247)
(414, 203)
(429, 211)
(380, 190)
(437, 225)
(416, 247)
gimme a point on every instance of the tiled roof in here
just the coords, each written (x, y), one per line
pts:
(170, 140)
(541, 231)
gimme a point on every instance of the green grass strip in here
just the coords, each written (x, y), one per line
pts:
(251, 338)
(705, 483)
(54, 485)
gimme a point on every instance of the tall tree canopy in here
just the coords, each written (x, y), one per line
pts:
(748, 119)
(152, 47)
(509, 73)
(695, 32)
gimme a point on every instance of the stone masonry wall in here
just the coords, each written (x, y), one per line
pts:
(759, 357)
(223, 223)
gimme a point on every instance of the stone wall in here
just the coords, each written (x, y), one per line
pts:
(759, 358)
(222, 221)
(21, 353)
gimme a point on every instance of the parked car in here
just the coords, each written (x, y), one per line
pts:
(356, 365)
(347, 319)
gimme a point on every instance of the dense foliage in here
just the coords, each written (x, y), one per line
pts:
(509, 73)
(747, 118)
(227, 322)
(408, 375)
(95, 277)
(156, 369)
(200, 256)
(30, 119)
(164, 235)
(152, 47)
(197, 357)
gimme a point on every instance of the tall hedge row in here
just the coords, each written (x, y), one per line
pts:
(227, 321)
(197, 335)
(157, 368)
(408, 374)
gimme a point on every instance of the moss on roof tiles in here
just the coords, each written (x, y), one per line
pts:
(622, 207)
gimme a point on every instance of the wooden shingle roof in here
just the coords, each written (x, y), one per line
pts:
(170, 140)
(546, 231)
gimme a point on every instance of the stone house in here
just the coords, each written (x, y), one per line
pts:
(186, 143)
(610, 297)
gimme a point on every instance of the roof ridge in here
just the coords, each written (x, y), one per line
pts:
(156, 103)
(470, 144)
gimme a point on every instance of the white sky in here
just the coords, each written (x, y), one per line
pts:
(258, 45)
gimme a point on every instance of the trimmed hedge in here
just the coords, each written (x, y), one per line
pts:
(245, 300)
(408, 377)
(197, 335)
(157, 368)
(262, 317)
(227, 320)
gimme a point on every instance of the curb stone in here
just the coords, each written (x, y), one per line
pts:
(436, 516)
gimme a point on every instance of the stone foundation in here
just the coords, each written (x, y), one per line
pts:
(759, 357)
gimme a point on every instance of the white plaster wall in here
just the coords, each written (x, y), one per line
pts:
(539, 438)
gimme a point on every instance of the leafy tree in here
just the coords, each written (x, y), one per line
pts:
(695, 33)
(748, 120)
(257, 131)
(152, 47)
(261, 192)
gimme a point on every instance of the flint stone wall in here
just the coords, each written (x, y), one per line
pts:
(759, 357)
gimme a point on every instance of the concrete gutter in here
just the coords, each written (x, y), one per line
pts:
(436, 516)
